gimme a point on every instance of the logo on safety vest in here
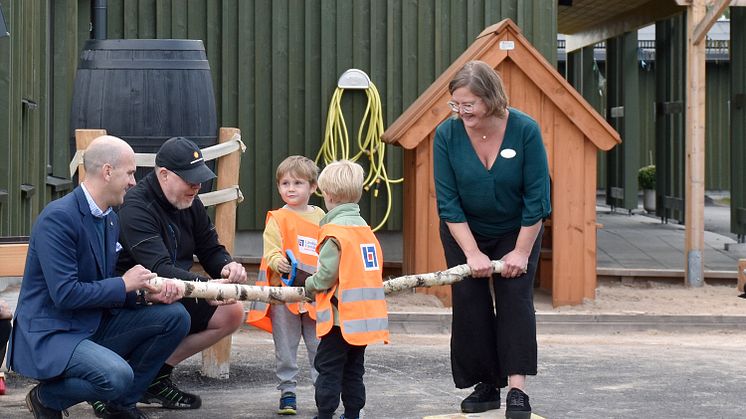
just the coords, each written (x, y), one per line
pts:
(307, 245)
(370, 257)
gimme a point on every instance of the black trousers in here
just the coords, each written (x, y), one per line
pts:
(492, 339)
(341, 367)
(4, 336)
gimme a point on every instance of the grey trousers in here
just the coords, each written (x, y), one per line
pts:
(287, 329)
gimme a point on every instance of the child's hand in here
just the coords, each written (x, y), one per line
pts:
(283, 266)
(5, 312)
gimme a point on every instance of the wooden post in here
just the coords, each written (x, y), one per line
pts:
(13, 259)
(741, 275)
(695, 148)
(83, 138)
(216, 359)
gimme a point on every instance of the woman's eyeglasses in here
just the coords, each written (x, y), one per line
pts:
(463, 107)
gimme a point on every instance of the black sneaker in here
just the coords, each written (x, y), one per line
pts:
(164, 392)
(287, 404)
(485, 397)
(517, 406)
(39, 410)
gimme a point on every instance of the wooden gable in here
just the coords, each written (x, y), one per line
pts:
(493, 46)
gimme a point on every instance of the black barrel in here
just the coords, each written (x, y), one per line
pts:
(145, 91)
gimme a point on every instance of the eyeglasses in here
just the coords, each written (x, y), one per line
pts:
(463, 107)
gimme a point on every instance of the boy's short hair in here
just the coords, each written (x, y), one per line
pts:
(343, 180)
(300, 167)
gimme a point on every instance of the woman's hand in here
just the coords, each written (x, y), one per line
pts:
(515, 264)
(480, 264)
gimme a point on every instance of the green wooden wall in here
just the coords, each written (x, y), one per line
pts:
(275, 65)
(738, 122)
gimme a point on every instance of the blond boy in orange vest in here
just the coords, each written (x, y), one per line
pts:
(350, 305)
(293, 227)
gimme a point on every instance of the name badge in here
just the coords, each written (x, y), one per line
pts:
(508, 153)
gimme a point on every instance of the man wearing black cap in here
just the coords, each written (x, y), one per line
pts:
(163, 225)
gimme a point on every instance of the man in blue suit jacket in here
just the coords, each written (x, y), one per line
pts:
(76, 324)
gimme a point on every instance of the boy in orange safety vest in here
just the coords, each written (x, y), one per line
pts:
(350, 304)
(293, 227)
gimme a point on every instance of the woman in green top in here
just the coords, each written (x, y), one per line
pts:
(492, 186)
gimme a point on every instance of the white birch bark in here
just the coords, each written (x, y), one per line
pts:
(217, 291)
(278, 295)
(447, 277)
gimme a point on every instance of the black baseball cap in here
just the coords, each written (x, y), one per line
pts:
(183, 157)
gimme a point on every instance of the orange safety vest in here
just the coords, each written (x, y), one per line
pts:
(363, 316)
(300, 236)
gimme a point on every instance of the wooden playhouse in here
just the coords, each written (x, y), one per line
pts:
(572, 131)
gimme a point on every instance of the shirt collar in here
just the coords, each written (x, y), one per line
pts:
(95, 210)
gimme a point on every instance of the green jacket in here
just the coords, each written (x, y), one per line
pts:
(327, 274)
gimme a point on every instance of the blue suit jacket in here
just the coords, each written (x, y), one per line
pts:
(66, 288)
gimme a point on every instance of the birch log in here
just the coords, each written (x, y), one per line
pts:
(218, 291)
(278, 295)
(447, 277)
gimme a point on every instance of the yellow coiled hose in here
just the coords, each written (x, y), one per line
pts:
(336, 144)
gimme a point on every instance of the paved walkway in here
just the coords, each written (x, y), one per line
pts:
(643, 245)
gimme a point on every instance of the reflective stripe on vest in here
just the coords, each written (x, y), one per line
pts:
(362, 294)
(324, 315)
(366, 325)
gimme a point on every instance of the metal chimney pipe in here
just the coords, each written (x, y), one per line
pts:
(98, 19)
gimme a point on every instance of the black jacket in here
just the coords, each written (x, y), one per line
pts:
(162, 238)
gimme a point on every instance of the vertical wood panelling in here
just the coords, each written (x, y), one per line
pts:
(262, 140)
(717, 134)
(280, 93)
(247, 101)
(738, 120)
(5, 124)
(179, 19)
(163, 19)
(275, 65)
(224, 67)
(146, 18)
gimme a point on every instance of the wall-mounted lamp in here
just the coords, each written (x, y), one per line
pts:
(3, 25)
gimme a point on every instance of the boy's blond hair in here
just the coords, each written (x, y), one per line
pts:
(343, 180)
(299, 167)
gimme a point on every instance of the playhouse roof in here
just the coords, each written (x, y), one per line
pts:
(497, 43)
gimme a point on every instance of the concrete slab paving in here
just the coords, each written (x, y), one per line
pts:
(595, 375)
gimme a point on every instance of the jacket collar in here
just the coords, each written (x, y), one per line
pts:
(90, 228)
